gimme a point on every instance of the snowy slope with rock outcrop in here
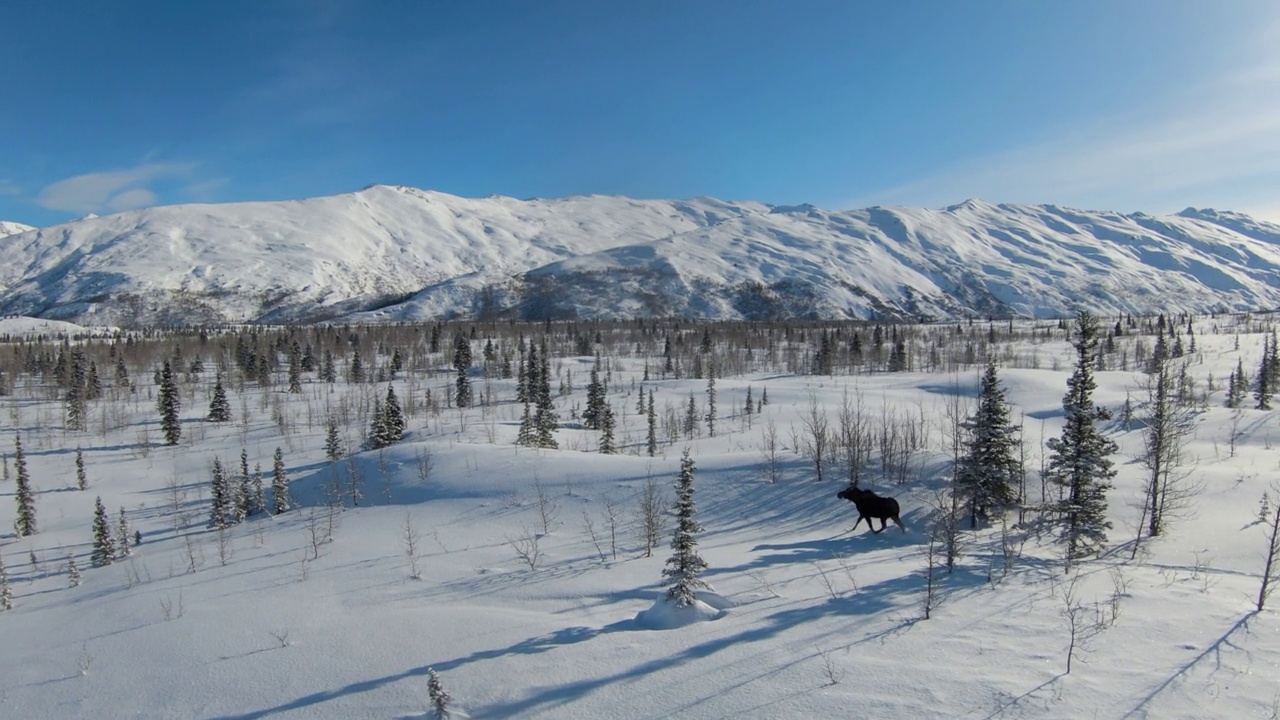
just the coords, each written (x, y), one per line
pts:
(395, 253)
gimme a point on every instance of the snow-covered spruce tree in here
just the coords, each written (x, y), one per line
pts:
(651, 416)
(169, 405)
(220, 497)
(988, 471)
(219, 408)
(76, 401)
(440, 699)
(279, 485)
(332, 443)
(73, 571)
(711, 398)
(608, 445)
(462, 361)
(685, 565)
(6, 591)
(527, 435)
(104, 544)
(25, 523)
(82, 479)
(1265, 382)
(393, 418)
(295, 372)
(595, 401)
(122, 536)
(1080, 460)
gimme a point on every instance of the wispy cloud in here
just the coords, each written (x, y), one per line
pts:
(1216, 143)
(9, 187)
(110, 191)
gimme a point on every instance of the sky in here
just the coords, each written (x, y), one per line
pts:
(1099, 104)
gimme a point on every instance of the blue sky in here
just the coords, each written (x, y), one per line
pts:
(1109, 104)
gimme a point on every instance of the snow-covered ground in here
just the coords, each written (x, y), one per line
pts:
(806, 620)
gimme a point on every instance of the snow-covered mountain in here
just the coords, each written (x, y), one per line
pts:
(396, 253)
(8, 228)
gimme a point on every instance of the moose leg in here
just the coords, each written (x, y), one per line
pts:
(904, 527)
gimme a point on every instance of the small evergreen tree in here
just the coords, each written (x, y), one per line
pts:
(25, 523)
(462, 361)
(1264, 383)
(527, 435)
(122, 536)
(711, 399)
(684, 566)
(220, 496)
(393, 422)
(104, 544)
(989, 469)
(73, 571)
(82, 479)
(1080, 459)
(169, 405)
(651, 442)
(332, 443)
(219, 408)
(6, 591)
(440, 699)
(607, 443)
(279, 484)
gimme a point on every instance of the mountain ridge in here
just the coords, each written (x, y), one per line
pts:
(394, 253)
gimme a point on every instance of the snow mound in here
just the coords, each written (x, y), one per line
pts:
(665, 614)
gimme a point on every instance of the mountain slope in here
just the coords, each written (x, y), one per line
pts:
(391, 253)
(8, 228)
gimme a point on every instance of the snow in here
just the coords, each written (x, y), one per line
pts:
(12, 228)
(397, 253)
(808, 620)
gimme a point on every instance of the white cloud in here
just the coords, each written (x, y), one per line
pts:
(109, 191)
(9, 187)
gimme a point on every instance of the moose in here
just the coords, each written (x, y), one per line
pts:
(871, 505)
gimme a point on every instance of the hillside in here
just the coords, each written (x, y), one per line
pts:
(394, 253)
(8, 228)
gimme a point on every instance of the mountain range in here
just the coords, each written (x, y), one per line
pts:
(401, 254)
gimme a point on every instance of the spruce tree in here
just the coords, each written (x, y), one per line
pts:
(528, 433)
(332, 443)
(82, 479)
(6, 591)
(104, 544)
(684, 566)
(295, 373)
(25, 523)
(220, 496)
(462, 361)
(651, 442)
(219, 408)
(73, 571)
(393, 417)
(988, 471)
(279, 485)
(122, 536)
(1080, 459)
(76, 401)
(169, 406)
(1264, 384)
(608, 446)
(440, 699)
(711, 399)
(595, 401)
